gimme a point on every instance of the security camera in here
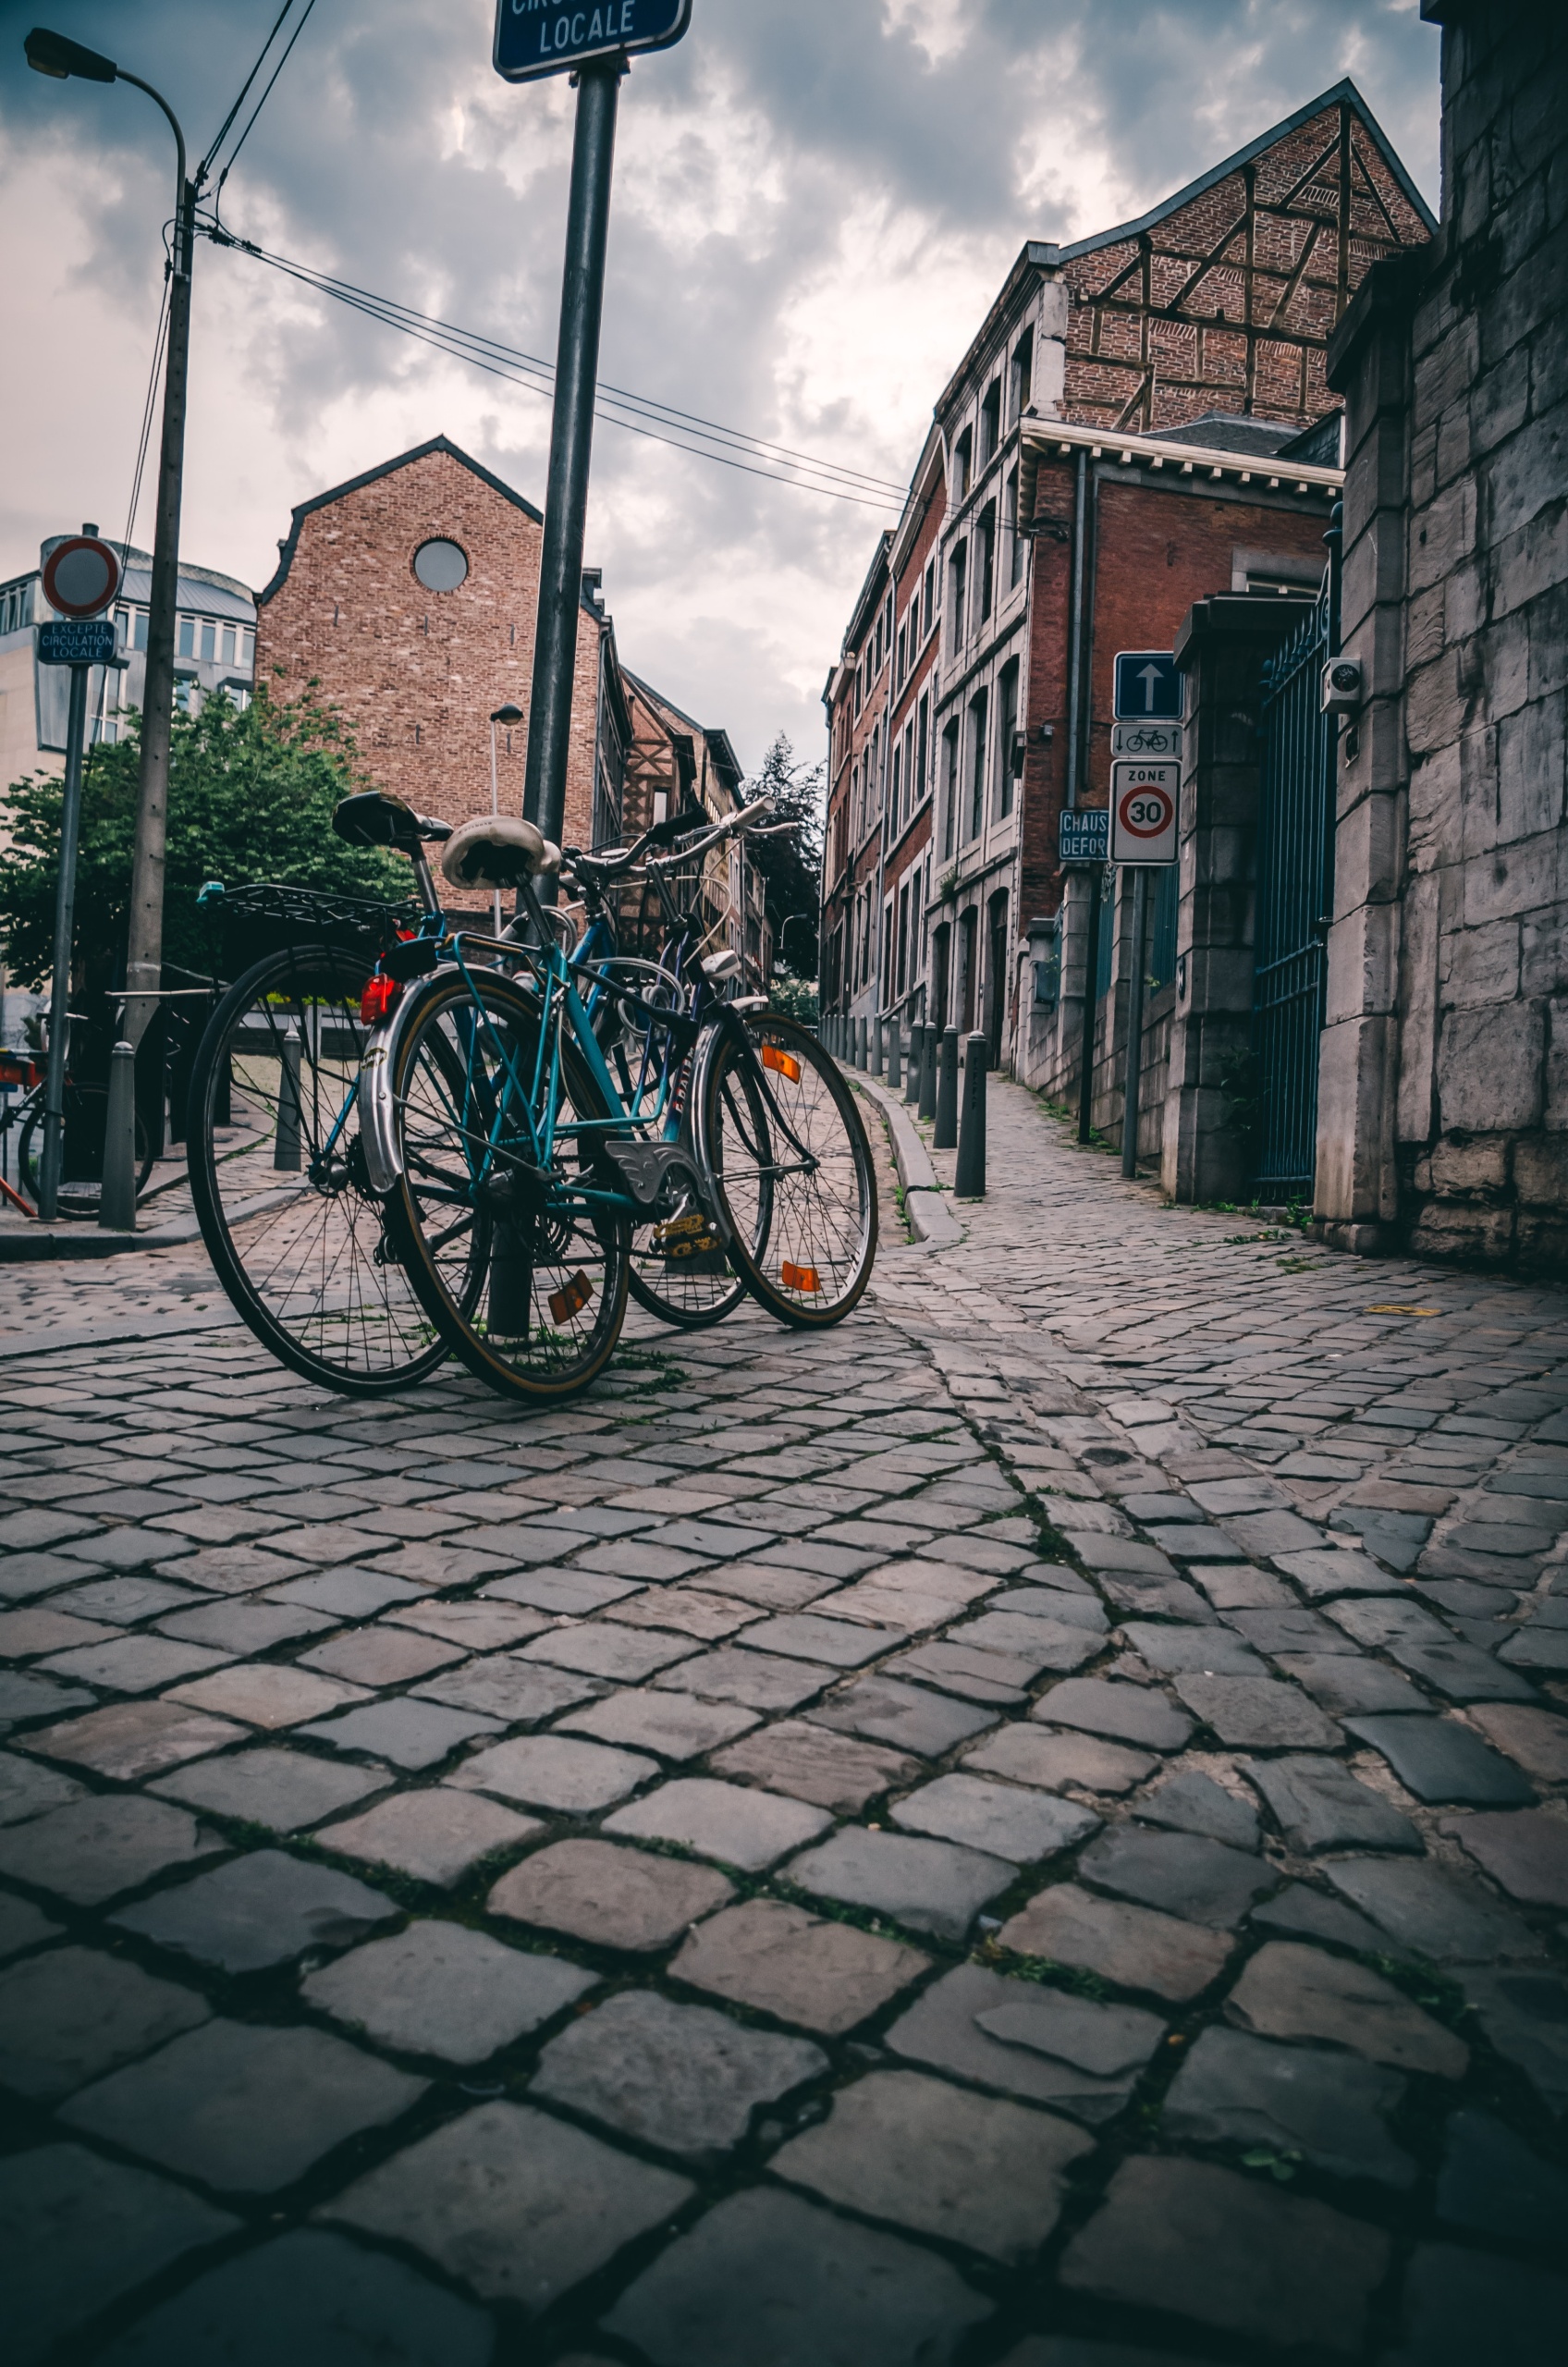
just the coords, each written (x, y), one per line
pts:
(1343, 690)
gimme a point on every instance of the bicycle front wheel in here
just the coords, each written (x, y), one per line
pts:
(312, 1259)
(478, 1198)
(810, 1156)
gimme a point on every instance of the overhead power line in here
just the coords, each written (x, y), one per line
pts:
(223, 131)
(640, 414)
(288, 51)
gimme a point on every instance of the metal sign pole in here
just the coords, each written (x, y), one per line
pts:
(1134, 1025)
(1092, 964)
(65, 910)
(571, 436)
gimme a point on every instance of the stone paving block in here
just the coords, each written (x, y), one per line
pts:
(99, 1847)
(823, 1976)
(771, 1589)
(832, 1643)
(309, 2296)
(1230, 2253)
(1212, 1650)
(243, 1626)
(441, 1988)
(681, 2078)
(1526, 1854)
(1492, 2183)
(973, 1674)
(690, 1610)
(76, 2232)
(282, 1789)
(1460, 1671)
(812, 1762)
(1000, 1819)
(944, 2027)
(518, 2207)
(972, 2170)
(1440, 1760)
(1291, 1991)
(1432, 1909)
(926, 1885)
(23, 1576)
(1330, 2109)
(241, 2107)
(1304, 1913)
(27, 1790)
(729, 1821)
(69, 2016)
(765, 2276)
(347, 1594)
(27, 1634)
(1134, 1946)
(1193, 1802)
(1291, 1629)
(763, 1681)
(1027, 1755)
(236, 1569)
(132, 1740)
(1325, 1573)
(411, 1734)
(259, 1910)
(1103, 2039)
(1319, 1804)
(1182, 1873)
(1050, 1602)
(477, 1626)
(1460, 2306)
(1066, 2351)
(555, 1772)
(677, 1725)
(133, 1664)
(435, 1834)
(905, 1716)
(1348, 1684)
(1537, 1739)
(1045, 1643)
(434, 1567)
(1159, 1599)
(379, 1654)
(1524, 2012)
(270, 1693)
(1257, 1712)
(22, 1926)
(499, 1686)
(40, 1525)
(1242, 1588)
(611, 1897)
(1129, 1713)
(122, 1602)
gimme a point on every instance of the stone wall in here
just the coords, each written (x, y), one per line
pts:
(1443, 1105)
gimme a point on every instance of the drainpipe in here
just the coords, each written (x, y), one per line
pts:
(1080, 690)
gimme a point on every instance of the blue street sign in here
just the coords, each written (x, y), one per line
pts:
(1084, 835)
(88, 644)
(538, 37)
(1147, 686)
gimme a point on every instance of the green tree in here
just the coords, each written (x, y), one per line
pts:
(250, 797)
(792, 867)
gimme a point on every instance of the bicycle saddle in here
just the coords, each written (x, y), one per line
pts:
(375, 819)
(498, 850)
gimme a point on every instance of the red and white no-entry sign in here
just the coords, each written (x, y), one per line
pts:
(1143, 812)
(81, 576)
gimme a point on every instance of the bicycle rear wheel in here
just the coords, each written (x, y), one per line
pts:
(553, 1266)
(81, 1181)
(812, 1158)
(312, 1259)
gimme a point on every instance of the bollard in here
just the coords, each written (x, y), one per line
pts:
(928, 1072)
(895, 1055)
(912, 1062)
(879, 1038)
(969, 1183)
(830, 1034)
(946, 1135)
(286, 1150)
(116, 1192)
(863, 1045)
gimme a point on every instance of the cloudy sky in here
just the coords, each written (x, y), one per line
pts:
(815, 201)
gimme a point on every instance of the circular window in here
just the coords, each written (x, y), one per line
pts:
(441, 566)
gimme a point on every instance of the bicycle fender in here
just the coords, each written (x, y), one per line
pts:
(378, 1109)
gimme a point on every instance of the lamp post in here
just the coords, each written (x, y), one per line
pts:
(509, 715)
(52, 54)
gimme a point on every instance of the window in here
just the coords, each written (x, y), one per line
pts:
(958, 568)
(987, 559)
(1023, 374)
(209, 642)
(895, 787)
(122, 625)
(911, 797)
(227, 646)
(440, 565)
(1017, 543)
(949, 786)
(930, 593)
(963, 464)
(921, 750)
(1007, 756)
(185, 697)
(857, 690)
(141, 631)
(903, 652)
(977, 751)
(246, 647)
(903, 940)
(990, 420)
(187, 646)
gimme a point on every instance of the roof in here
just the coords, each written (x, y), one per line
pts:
(202, 589)
(371, 476)
(720, 745)
(1224, 431)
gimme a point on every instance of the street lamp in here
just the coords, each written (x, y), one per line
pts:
(52, 54)
(509, 715)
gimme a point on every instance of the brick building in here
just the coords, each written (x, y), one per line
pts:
(1142, 420)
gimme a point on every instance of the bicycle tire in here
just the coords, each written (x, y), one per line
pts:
(558, 1282)
(87, 1118)
(316, 1269)
(821, 1243)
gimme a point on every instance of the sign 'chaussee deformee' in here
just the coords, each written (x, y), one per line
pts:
(535, 37)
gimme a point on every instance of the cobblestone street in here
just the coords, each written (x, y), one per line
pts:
(1029, 1829)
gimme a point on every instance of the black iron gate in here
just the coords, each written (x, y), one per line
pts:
(1296, 877)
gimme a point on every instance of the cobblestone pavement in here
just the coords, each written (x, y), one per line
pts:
(1029, 1829)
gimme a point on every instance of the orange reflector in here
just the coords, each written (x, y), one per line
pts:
(572, 1300)
(799, 1278)
(786, 1064)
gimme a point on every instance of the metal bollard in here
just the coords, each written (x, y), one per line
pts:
(116, 1192)
(895, 1055)
(912, 1074)
(928, 1072)
(879, 1033)
(969, 1183)
(945, 1134)
(862, 1045)
(286, 1150)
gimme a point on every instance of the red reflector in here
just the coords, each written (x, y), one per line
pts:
(379, 997)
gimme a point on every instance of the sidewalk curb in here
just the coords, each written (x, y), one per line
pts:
(931, 1221)
(82, 1239)
(61, 1337)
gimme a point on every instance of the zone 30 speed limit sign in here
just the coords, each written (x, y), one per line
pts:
(1143, 812)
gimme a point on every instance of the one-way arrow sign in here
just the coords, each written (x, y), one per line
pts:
(1148, 687)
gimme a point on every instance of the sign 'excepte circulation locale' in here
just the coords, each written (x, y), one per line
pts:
(90, 642)
(538, 37)
(1143, 812)
(1084, 835)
